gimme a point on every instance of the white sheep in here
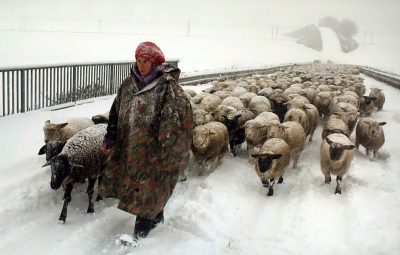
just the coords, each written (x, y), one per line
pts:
(369, 133)
(256, 129)
(64, 131)
(334, 125)
(80, 159)
(322, 102)
(272, 161)
(336, 154)
(259, 104)
(201, 117)
(210, 102)
(210, 143)
(293, 133)
(300, 117)
(234, 102)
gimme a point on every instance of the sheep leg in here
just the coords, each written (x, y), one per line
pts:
(90, 191)
(271, 187)
(67, 198)
(327, 179)
(375, 155)
(99, 180)
(296, 158)
(280, 180)
(338, 188)
(232, 148)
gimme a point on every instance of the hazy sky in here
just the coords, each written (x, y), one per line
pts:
(374, 14)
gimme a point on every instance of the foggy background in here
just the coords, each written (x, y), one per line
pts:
(239, 33)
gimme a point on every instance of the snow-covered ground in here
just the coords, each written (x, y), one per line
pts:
(228, 211)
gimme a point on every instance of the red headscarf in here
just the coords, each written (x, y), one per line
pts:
(150, 51)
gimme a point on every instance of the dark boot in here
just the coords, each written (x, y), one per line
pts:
(143, 225)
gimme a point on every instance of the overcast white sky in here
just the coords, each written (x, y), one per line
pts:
(372, 14)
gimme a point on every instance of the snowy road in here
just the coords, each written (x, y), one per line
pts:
(227, 212)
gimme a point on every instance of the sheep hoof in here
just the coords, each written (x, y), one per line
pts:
(98, 198)
(90, 210)
(327, 180)
(280, 180)
(338, 191)
(270, 192)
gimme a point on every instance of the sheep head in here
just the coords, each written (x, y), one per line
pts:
(50, 130)
(265, 160)
(336, 149)
(60, 169)
(374, 128)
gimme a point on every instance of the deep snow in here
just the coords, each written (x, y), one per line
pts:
(228, 211)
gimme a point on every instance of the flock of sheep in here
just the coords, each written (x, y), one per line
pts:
(276, 113)
(273, 114)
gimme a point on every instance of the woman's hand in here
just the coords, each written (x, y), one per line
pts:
(107, 146)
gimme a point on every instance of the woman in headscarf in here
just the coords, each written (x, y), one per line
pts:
(148, 139)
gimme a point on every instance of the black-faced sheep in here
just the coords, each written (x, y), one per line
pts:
(367, 105)
(51, 149)
(272, 161)
(210, 143)
(369, 133)
(80, 159)
(336, 154)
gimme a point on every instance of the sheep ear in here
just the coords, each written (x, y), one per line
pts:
(275, 156)
(47, 163)
(328, 141)
(382, 123)
(349, 147)
(61, 125)
(42, 150)
(47, 122)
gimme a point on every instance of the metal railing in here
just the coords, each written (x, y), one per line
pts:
(32, 88)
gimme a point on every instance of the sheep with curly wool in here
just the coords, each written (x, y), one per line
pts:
(80, 159)
(272, 161)
(336, 155)
(369, 133)
(101, 118)
(201, 117)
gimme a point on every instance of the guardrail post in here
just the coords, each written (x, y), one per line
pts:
(23, 94)
(74, 79)
(111, 87)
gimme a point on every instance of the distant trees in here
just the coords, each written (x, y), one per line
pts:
(345, 27)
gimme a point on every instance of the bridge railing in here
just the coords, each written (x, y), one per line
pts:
(31, 88)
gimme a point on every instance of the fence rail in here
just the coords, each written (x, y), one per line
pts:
(32, 88)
